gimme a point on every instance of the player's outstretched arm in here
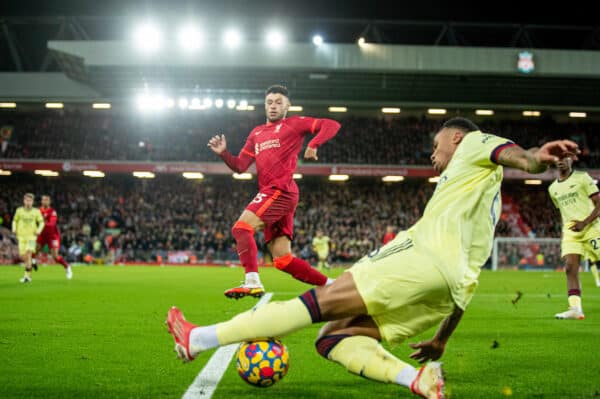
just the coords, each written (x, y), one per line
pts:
(537, 160)
(324, 130)
(434, 348)
(238, 164)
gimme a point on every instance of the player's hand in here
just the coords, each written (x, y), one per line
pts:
(218, 144)
(577, 226)
(311, 153)
(427, 350)
(552, 151)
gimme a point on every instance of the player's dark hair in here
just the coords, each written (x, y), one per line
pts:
(45, 195)
(278, 89)
(460, 123)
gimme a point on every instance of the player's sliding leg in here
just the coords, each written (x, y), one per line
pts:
(594, 270)
(58, 258)
(355, 344)
(338, 300)
(574, 289)
(300, 269)
(243, 233)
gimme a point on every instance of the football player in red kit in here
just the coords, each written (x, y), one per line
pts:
(274, 147)
(50, 235)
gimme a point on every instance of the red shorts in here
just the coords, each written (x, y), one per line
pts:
(276, 209)
(52, 240)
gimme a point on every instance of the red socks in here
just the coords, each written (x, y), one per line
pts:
(300, 270)
(62, 261)
(247, 251)
(246, 246)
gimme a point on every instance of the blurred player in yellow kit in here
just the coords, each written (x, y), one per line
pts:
(576, 195)
(425, 276)
(27, 224)
(320, 245)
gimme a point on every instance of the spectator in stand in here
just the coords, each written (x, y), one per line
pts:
(389, 234)
(152, 218)
(384, 140)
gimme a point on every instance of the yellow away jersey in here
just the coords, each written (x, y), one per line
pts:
(321, 244)
(27, 223)
(457, 227)
(572, 197)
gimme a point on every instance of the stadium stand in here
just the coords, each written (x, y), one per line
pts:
(125, 219)
(362, 140)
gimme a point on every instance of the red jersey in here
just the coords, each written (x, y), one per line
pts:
(275, 146)
(388, 237)
(50, 220)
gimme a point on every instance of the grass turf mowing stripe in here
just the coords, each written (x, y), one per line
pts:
(206, 382)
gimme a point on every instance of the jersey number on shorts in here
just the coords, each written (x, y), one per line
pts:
(595, 243)
(259, 197)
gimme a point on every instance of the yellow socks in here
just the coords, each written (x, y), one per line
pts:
(366, 357)
(274, 319)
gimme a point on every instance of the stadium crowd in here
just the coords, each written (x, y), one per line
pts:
(120, 218)
(362, 140)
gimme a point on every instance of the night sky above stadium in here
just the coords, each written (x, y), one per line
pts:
(506, 11)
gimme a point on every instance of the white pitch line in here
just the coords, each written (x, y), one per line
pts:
(205, 384)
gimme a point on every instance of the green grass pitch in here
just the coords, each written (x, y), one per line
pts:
(102, 335)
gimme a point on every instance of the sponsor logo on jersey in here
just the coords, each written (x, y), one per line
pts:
(265, 145)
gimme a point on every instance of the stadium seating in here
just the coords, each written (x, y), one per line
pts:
(139, 220)
(362, 140)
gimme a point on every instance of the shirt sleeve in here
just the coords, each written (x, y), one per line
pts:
(306, 124)
(245, 158)
(589, 186)
(40, 222)
(52, 219)
(16, 220)
(552, 197)
(483, 149)
(322, 129)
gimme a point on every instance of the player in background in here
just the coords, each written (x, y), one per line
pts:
(384, 296)
(389, 234)
(576, 195)
(50, 235)
(274, 147)
(27, 224)
(320, 244)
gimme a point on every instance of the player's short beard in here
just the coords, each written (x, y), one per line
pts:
(278, 118)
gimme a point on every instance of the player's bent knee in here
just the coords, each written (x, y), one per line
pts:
(325, 344)
(281, 262)
(241, 228)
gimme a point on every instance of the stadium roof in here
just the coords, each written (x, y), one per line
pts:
(26, 29)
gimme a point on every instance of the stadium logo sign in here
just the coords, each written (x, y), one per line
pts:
(525, 63)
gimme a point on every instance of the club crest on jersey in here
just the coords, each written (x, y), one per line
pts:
(278, 128)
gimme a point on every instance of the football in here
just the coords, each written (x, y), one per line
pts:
(262, 363)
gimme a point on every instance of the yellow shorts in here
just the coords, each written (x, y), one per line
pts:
(26, 244)
(587, 246)
(404, 292)
(323, 254)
